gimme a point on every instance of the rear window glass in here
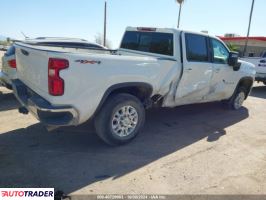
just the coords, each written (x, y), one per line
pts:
(197, 50)
(10, 51)
(152, 42)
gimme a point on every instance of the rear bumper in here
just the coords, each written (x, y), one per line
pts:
(4, 81)
(44, 111)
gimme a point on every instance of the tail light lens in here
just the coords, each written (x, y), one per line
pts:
(12, 63)
(55, 82)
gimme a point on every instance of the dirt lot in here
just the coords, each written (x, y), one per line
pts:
(198, 149)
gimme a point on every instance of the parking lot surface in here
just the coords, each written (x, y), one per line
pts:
(194, 149)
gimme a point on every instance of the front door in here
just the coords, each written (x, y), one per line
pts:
(224, 78)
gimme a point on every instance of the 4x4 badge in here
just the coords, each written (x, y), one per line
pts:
(88, 62)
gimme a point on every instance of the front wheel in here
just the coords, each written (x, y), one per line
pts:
(237, 100)
(120, 119)
(264, 82)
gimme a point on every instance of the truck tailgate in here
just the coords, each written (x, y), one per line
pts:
(32, 67)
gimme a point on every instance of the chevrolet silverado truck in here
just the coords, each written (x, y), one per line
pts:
(152, 67)
(260, 66)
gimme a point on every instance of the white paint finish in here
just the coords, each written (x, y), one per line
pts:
(195, 82)
(33, 69)
(85, 84)
(224, 82)
(260, 65)
(11, 73)
(84, 81)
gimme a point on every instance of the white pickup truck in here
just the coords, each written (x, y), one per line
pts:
(153, 66)
(260, 66)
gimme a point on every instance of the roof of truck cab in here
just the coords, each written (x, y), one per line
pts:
(164, 30)
(152, 29)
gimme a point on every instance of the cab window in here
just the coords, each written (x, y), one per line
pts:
(220, 52)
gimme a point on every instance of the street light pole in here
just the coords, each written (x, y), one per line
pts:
(250, 18)
(104, 34)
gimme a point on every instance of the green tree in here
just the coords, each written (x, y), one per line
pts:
(3, 43)
(233, 47)
(8, 40)
(99, 40)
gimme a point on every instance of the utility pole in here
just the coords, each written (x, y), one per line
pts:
(179, 15)
(104, 34)
(180, 2)
(250, 19)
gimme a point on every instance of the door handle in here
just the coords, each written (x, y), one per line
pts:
(189, 69)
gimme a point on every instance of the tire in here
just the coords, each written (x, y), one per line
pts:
(120, 119)
(264, 82)
(237, 100)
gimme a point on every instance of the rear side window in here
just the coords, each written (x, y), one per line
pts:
(152, 42)
(10, 51)
(197, 50)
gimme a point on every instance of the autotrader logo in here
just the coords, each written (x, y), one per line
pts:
(27, 193)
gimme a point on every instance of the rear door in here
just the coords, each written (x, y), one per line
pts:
(197, 69)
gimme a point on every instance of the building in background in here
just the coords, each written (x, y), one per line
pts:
(256, 45)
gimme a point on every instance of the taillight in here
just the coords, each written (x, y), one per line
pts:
(55, 82)
(12, 63)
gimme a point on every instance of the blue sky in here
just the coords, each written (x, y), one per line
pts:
(84, 18)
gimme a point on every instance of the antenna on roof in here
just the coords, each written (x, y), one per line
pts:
(26, 37)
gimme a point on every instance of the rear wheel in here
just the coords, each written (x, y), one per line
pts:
(120, 119)
(237, 100)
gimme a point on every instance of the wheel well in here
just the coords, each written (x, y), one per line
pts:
(246, 83)
(142, 91)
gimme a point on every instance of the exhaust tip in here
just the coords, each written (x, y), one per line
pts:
(23, 110)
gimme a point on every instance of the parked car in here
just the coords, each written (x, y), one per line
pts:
(260, 64)
(9, 70)
(3, 47)
(153, 66)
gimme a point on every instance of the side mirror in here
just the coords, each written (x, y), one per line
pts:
(233, 61)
